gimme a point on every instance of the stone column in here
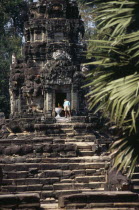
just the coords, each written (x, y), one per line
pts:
(68, 96)
(74, 101)
(11, 101)
(48, 102)
(53, 105)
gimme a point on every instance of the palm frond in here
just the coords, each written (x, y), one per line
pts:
(114, 81)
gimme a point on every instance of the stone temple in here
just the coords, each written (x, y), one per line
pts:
(46, 164)
(51, 68)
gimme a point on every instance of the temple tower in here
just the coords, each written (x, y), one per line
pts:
(51, 70)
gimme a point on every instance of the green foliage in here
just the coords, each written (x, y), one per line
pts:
(114, 80)
(87, 17)
(11, 29)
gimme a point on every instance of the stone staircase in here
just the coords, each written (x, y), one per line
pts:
(135, 180)
(55, 160)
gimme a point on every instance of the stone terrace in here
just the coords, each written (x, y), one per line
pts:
(61, 159)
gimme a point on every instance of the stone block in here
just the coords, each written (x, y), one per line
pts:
(68, 174)
(47, 148)
(19, 200)
(51, 173)
(98, 197)
(36, 187)
(47, 194)
(25, 149)
(79, 172)
(70, 147)
(49, 166)
(68, 154)
(47, 187)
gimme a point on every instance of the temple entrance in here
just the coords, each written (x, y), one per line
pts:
(60, 99)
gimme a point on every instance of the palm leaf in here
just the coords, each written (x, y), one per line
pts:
(114, 82)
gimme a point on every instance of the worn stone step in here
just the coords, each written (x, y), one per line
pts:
(136, 187)
(67, 130)
(64, 174)
(60, 141)
(31, 158)
(85, 153)
(59, 193)
(19, 201)
(43, 194)
(44, 166)
(135, 181)
(85, 145)
(87, 179)
(24, 149)
(95, 208)
(91, 185)
(67, 181)
(28, 181)
(50, 206)
(80, 135)
(27, 140)
(103, 206)
(49, 140)
(135, 176)
(39, 185)
(62, 136)
(100, 199)
(22, 188)
(76, 141)
(86, 136)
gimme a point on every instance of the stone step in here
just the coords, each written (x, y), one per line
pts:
(28, 181)
(44, 166)
(52, 191)
(87, 179)
(31, 158)
(86, 136)
(60, 193)
(95, 208)
(135, 181)
(52, 180)
(7, 141)
(85, 145)
(136, 187)
(64, 180)
(81, 135)
(35, 172)
(23, 149)
(50, 206)
(67, 130)
(103, 206)
(60, 141)
(99, 200)
(19, 201)
(62, 136)
(47, 139)
(135, 176)
(22, 188)
(91, 185)
(85, 153)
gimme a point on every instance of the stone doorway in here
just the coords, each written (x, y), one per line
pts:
(60, 99)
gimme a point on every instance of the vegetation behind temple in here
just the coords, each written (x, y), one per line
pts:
(12, 16)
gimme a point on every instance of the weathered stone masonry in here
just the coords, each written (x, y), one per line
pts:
(51, 69)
